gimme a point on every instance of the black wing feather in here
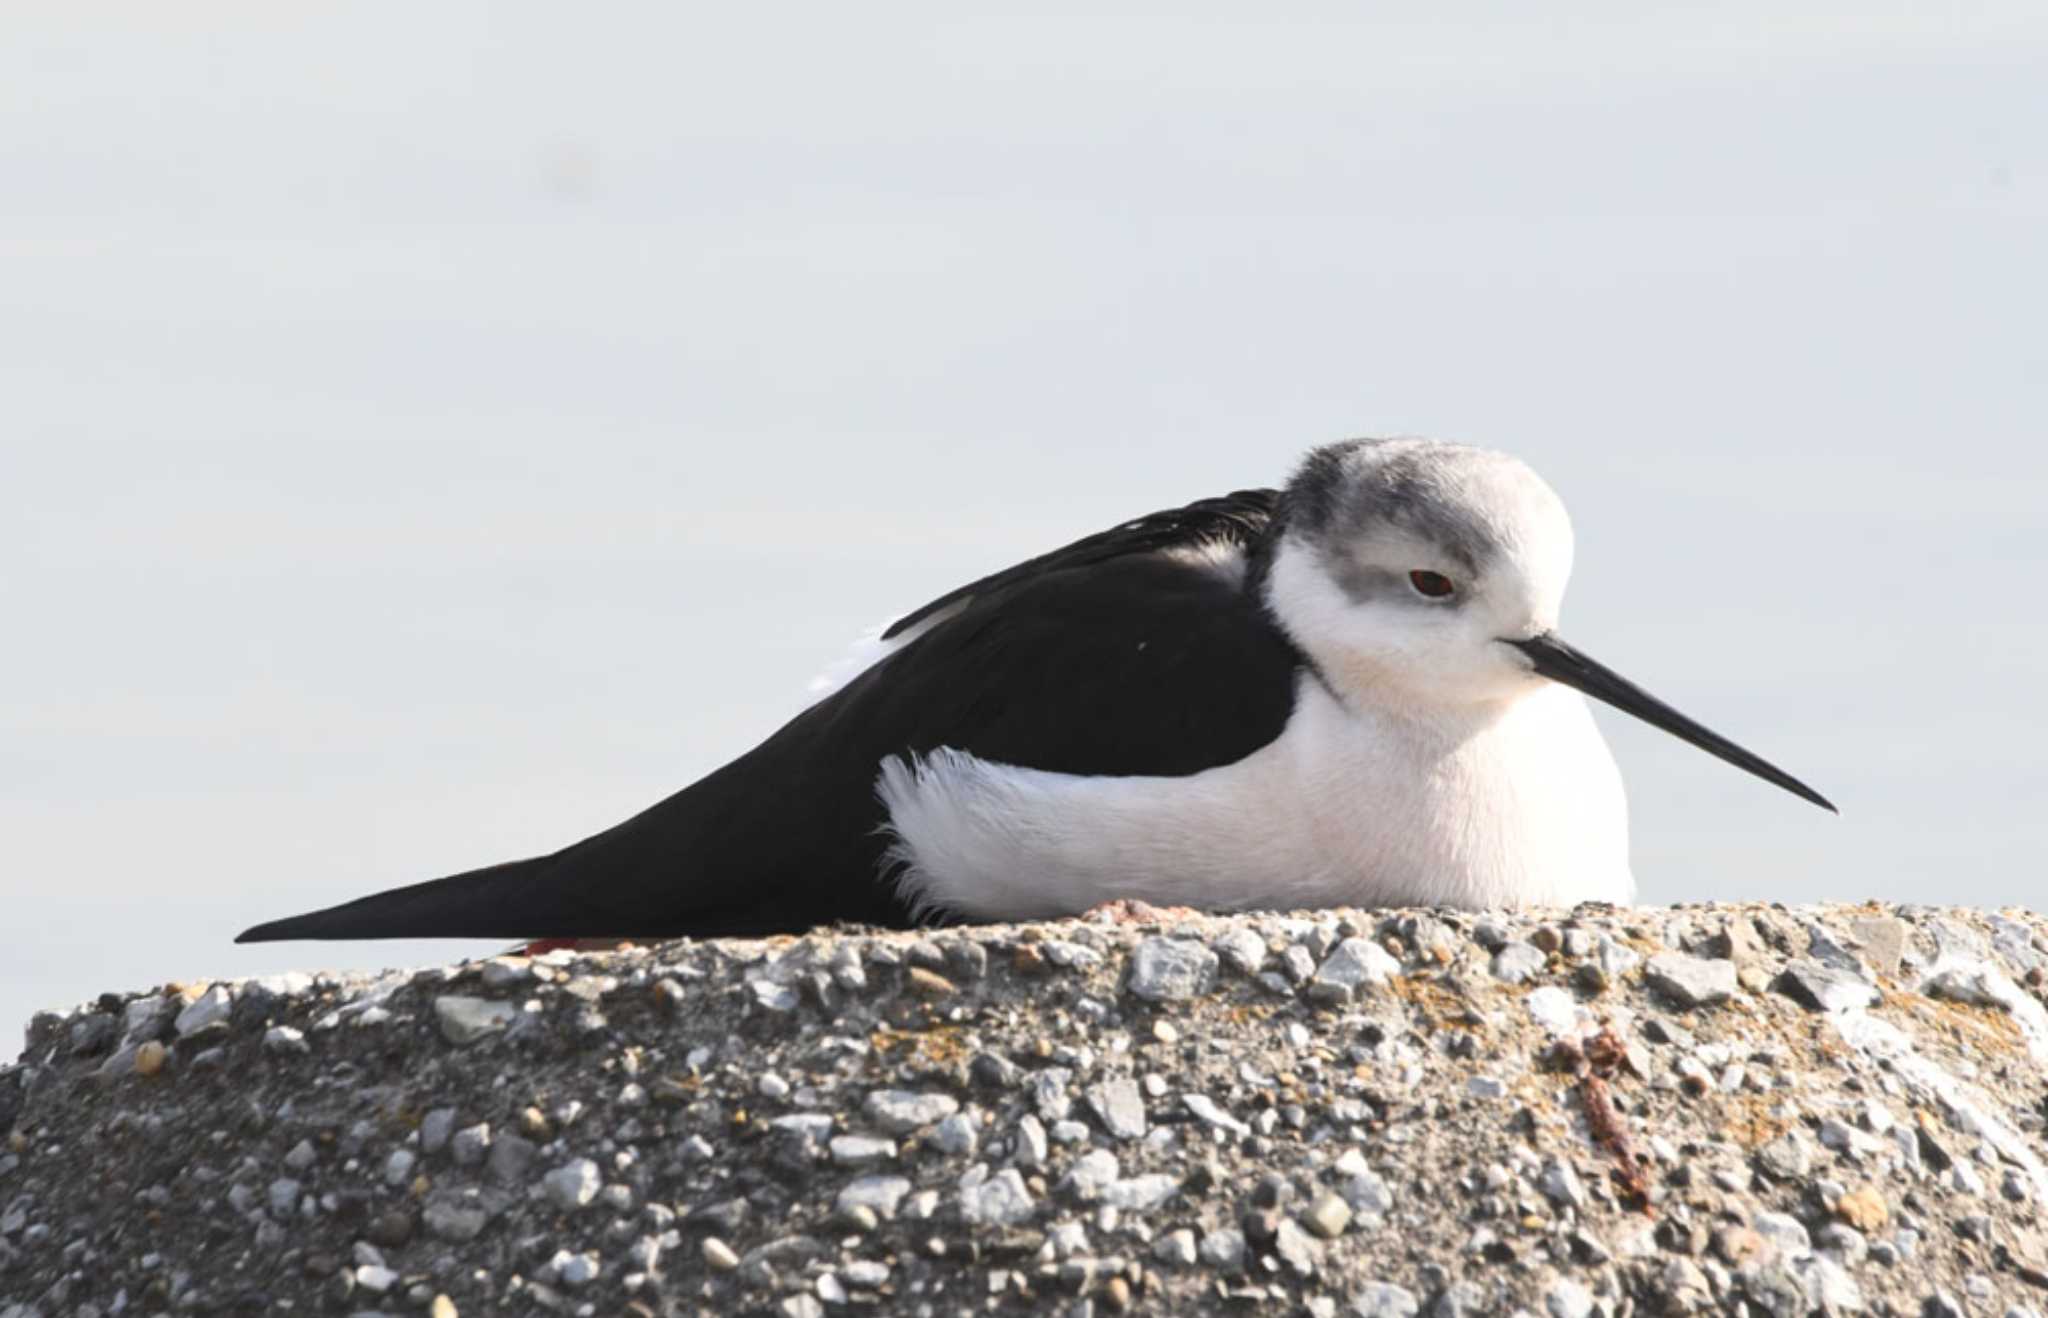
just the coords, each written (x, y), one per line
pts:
(1105, 657)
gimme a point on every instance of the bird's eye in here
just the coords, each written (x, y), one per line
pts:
(1433, 584)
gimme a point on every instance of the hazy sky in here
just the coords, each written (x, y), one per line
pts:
(431, 434)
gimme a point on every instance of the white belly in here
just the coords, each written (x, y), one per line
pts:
(1343, 809)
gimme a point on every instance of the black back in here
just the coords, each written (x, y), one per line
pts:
(1109, 656)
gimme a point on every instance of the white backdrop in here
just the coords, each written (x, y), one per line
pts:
(430, 434)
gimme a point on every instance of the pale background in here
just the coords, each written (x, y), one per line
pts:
(430, 433)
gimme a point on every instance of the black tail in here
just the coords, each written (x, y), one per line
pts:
(512, 900)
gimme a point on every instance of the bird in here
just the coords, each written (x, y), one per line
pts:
(1347, 691)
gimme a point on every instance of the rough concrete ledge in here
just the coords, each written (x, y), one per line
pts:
(1731, 1109)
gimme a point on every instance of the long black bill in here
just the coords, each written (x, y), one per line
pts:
(1561, 663)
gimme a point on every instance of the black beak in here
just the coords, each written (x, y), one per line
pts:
(1559, 662)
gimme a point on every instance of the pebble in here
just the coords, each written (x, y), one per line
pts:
(1244, 950)
(1171, 969)
(470, 1145)
(1787, 1157)
(1141, 1194)
(573, 1185)
(774, 996)
(465, 1020)
(1119, 1107)
(575, 1270)
(435, 1129)
(1296, 1248)
(1863, 1209)
(1329, 1215)
(1691, 981)
(899, 1112)
(1001, 1200)
(376, 1278)
(1176, 1247)
(454, 1218)
(283, 1197)
(1367, 1193)
(1565, 1298)
(1553, 1008)
(1517, 962)
(1559, 1182)
(1384, 1299)
(957, 1135)
(209, 1009)
(1091, 1173)
(879, 1194)
(929, 983)
(149, 1057)
(285, 1040)
(1032, 1148)
(1784, 1231)
(510, 1158)
(1224, 1249)
(862, 1150)
(1825, 988)
(1353, 964)
(1205, 1109)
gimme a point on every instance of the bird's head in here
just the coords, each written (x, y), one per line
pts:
(1429, 576)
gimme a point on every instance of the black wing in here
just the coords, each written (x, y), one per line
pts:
(1110, 656)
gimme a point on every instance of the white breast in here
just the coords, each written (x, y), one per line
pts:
(1520, 808)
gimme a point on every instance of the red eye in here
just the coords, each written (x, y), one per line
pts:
(1433, 584)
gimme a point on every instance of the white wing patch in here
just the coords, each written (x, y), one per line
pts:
(870, 649)
(1223, 557)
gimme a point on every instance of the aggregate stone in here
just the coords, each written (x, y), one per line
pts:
(957, 1135)
(861, 1150)
(1032, 1147)
(1516, 962)
(1554, 1009)
(1560, 1184)
(1244, 949)
(1002, 1200)
(1783, 1231)
(1787, 1157)
(1691, 981)
(1171, 969)
(454, 1218)
(1206, 1109)
(1141, 1194)
(1329, 1215)
(1224, 1249)
(510, 1158)
(470, 1145)
(1565, 1298)
(881, 1194)
(1176, 1248)
(1367, 1194)
(574, 1184)
(1236, 1149)
(1825, 988)
(1355, 962)
(210, 1008)
(435, 1129)
(1119, 1107)
(900, 1112)
(464, 1020)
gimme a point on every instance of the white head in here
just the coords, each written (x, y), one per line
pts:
(1428, 577)
(1403, 562)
